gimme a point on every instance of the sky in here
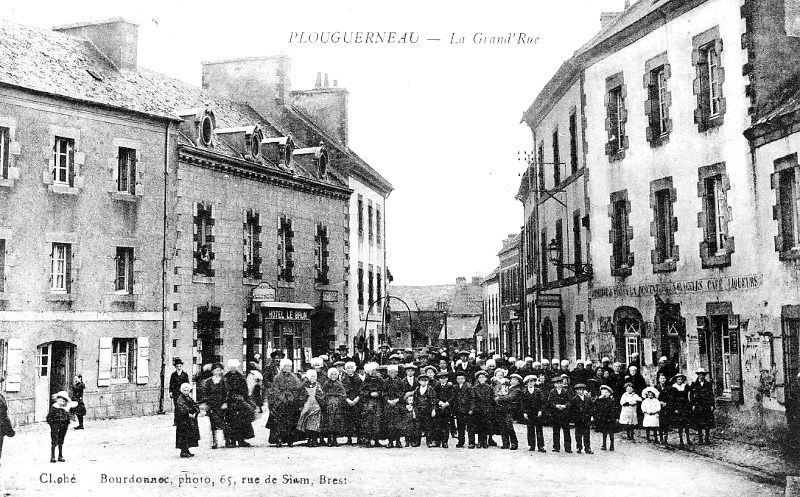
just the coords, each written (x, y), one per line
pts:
(439, 119)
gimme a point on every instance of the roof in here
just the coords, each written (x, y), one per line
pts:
(632, 14)
(460, 328)
(466, 299)
(59, 64)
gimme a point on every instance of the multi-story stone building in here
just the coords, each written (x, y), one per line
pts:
(512, 336)
(491, 313)
(688, 143)
(145, 219)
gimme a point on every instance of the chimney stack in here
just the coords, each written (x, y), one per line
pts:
(327, 106)
(117, 39)
(326, 80)
(461, 281)
(319, 80)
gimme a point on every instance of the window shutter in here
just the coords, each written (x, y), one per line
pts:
(104, 363)
(135, 179)
(6, 142)
(71, 164)
(68, 265)
(14, 371)
(143, 361)
(780, 378)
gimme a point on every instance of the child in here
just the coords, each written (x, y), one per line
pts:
(484, 405)
(532, 404)
(651, 407)
(679, 407)
(627, 417)
(582, 408)
(605, 415)
(58, 419)
(410, 422)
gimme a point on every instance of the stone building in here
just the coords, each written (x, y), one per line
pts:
(688, 150)
(491, 313)
(512, 337)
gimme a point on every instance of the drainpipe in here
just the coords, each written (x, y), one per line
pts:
(162, 371)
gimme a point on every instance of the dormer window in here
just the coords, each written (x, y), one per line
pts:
(255, 142)
(288, 150)
(206, 131)
(199, 124)
(322, 162)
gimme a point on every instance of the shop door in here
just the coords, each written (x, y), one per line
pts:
(726, 365)
(791, 344)
(42, 392)
(55, 367)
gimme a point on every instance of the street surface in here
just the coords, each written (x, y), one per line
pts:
(144, 448)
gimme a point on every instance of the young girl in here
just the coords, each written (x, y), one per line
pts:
(627, 417)
(680, 408)
(664, 421)
(410, 421)
(605, 415)
(651, 407)
(58, 419)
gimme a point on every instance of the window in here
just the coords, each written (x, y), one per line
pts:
(360, 285)
(126, 171)
(360, 216)
(2, 266)
(616, 117)
(60, 268)
(709, 76)
(377, 225)
(43, 360)
(716, 247)
(378, 287)
(621, 234)
(124, 274)
(64, 161)
(560, 244)
(285, 250)
(203, 240)
(664, 226)
(576, 238)
(543, 257)
(123, 356)
(786, 209)
(369, 221)
(556, 160)
(321, 255)
(5, 143)
(573, 142)
(370, 285)
(251, 260)
(540, 162)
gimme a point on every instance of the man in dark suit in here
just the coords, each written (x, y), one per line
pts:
(463, 404)
(558, 402)
(382, 357)
(361, 357)
(343, 355)
(178, 378)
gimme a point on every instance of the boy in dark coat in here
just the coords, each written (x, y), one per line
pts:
(444, 411)
(463, 404)
(582, 409)
(605, 415)
(558, 405)
(176, 379)
(425, 402)
(483, 402)
(506, 401)
(58, 419)
(532, 405)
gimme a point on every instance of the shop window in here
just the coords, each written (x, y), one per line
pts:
(251, 258)
(656, 107)
(547, 339)
(662, 197)
(556, 159)
(717, 246)
(321, 255)
(203, 240)
(573, 142)
(123, 281)
(616, 117)
(60, 267)
(621, 234)
(709, 76)
(64, 161)
(787, 209)
(126, 171)
(285, 250)
(123, 358)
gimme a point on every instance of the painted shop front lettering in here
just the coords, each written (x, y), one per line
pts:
(724, 284)
(286, 314)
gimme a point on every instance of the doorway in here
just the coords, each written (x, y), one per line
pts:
(55, 367)
(322, 334)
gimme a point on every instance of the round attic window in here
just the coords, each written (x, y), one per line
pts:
(206, 130)
(255, 143)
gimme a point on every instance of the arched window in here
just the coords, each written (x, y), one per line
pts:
(628, 334)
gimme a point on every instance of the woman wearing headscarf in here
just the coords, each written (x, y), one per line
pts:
(393, 391)
(285, 398)
(214, 395)
(310, 420)
(240, 409)
(187, 433)
(352, 409)
(333, 407)
(372, 408)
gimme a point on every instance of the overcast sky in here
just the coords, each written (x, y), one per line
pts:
(440, 121)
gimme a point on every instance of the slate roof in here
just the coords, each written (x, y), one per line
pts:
(59, 64)
(789, 106)
(460, 328)
(461, 299)
(632, 14)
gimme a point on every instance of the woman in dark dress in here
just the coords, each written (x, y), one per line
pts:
(702, 397)
(664, 391)
(285, 399)
(680, 408)
(393, 391)
(78, 386)
(214, 395)
(333, 407)
(187, 433)
(372, 408)
(605, 415)
(240, 410)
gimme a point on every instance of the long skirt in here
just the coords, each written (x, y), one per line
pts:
(333, 420)
(239, 421)
(352, 419)
(310, 416)
(187, 434)
(393, 420)
(371, 419)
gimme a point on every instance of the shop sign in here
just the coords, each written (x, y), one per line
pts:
(286, 314)
(548, 301)
(330, 296)
(723, 284)
(263, 293)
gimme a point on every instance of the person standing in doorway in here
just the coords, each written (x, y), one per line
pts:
(78, 386)
(178, 378)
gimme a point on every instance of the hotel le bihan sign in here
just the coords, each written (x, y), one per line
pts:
(722, 284)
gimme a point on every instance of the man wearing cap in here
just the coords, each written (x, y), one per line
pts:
(483, 408)
(444, 412)
(425, 403)
(582, 410)
(507, 402)
(463, 405)
(176, 379)
(531, 399)
(273, 367)
(558, 402)
(383, 355)
(702, 397)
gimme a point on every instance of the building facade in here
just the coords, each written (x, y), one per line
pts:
(491, 313)
(512, 336)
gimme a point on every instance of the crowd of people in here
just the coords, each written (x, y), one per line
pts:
(402, 398)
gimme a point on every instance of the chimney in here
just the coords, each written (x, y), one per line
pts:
(262, 82)
(461, 281)
(476, 280)
(607, 18)
(319, 80)
(326, 106)
(116, 39)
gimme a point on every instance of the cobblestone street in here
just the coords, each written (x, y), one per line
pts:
(144, 448)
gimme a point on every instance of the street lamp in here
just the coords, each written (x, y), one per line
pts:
(555, 253)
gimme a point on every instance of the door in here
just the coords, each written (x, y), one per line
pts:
(791, 357)
(62, 366)
(42, 390)
(726, 364)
